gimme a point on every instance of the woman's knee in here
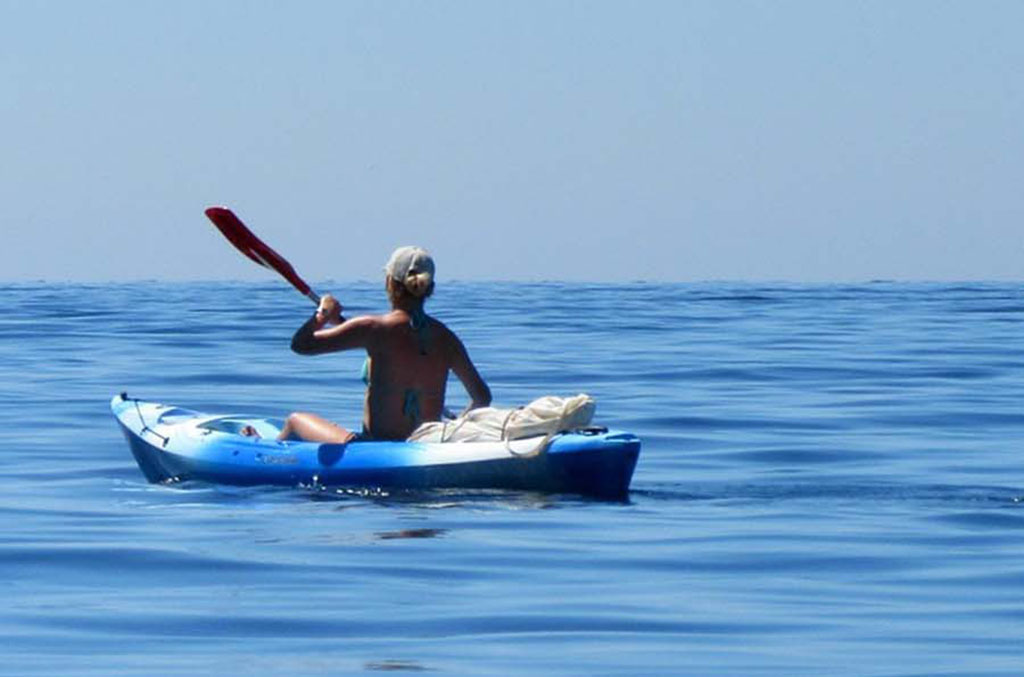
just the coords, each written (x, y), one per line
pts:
(315, 428)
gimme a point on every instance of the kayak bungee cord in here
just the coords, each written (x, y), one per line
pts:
(145, 426)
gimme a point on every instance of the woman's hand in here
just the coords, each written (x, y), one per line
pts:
(329, 311)
(313, 338)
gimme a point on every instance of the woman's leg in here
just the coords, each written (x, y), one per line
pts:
(313, 428)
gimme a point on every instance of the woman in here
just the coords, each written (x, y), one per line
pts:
(410, 354)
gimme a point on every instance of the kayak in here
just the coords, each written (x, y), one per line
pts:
(173, 444)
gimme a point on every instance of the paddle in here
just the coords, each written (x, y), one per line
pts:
(246, 242)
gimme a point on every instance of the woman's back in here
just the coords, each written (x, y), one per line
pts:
(408, 375)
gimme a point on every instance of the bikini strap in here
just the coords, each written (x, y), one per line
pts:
(411, 405)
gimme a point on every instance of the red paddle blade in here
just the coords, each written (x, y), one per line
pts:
(235, 231)
(256, 249)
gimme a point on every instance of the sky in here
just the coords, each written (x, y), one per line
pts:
(555, 140)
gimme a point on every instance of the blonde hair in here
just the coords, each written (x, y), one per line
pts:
(419, 285)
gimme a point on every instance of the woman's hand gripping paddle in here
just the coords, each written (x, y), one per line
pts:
(246, 242)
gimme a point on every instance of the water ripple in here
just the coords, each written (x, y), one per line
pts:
(830, 484)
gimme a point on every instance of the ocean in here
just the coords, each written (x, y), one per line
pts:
(831, 483)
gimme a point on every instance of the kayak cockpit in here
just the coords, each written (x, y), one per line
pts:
(266, 428)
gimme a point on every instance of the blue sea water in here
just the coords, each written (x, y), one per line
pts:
(831, 483)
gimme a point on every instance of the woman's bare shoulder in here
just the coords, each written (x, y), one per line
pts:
(450, 341)
(441, 328)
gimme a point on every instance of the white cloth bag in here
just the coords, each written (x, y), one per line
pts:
(544, 416)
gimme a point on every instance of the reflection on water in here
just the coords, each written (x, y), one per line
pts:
(411, 533)
(395, 666)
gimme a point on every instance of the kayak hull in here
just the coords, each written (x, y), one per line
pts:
(175, 444)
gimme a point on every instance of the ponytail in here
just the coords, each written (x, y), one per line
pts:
(419, 284)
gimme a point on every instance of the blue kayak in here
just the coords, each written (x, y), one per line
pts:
(176, 444)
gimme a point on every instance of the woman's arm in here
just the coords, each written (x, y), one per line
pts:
(312, 339)
(304, 341)
(476, 387)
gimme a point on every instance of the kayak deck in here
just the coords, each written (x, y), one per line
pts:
(173, 444)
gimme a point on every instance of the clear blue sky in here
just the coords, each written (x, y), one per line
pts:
(802, 141)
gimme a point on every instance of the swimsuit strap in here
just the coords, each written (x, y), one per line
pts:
(418, 317)
(420, 323)
(411, 405)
